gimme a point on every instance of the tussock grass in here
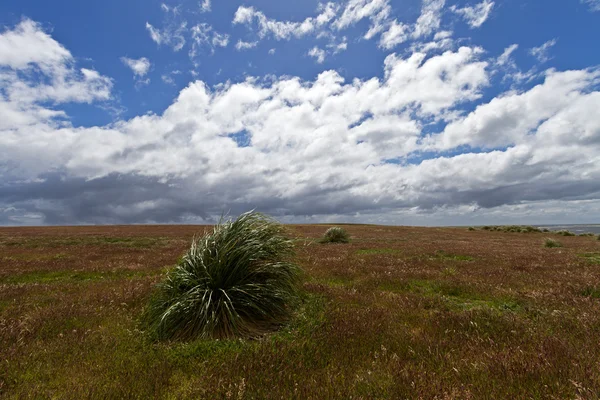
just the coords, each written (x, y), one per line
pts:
(336, 234)
(552, 243)
(565, 233)
(512, 229)
(236, 281)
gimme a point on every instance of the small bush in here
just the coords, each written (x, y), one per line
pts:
(587, 234)
(565, 233)
(236, 281)
(471, 228)
(336, 234)
(598, 237)
(552, 243)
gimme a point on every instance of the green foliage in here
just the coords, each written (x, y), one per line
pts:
(336, 234)
(591, 257)
(565, 233)
(512, 229)
(591, 291)
(237, 281)
(552, 243)
(598, 237)
(471, 228)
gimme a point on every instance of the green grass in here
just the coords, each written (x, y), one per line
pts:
(369, 252)
(454, 295)
(126, 242)
(591, 291)
(512, 228)
(551, 243)
(237, 281)
(591, 257)
(45, 277)
(335, 234)
(565, 233)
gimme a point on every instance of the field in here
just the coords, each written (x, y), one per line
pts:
(398, 312)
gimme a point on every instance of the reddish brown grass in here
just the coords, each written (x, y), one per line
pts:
(397, 313)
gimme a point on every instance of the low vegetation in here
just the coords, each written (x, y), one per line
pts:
(512, 229)
(552, 243)
(397, 313)
(237, 281)
(335, 234)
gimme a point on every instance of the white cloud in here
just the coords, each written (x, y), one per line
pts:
(530, 148)
(593, 4)
(318, 54)
(476, 15)
(397, 33)
(171, 36)
(241, 45)
(505, 57)
(28, 44)
(541, 52)
(167, 79)
(203, 35)
(357, 10)
(205, 6)
(272, 51)
(140, 67)
(430, 18)
(283, 30)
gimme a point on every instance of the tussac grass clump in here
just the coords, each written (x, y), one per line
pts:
(336, 234)
(552, 243)
(236, 281)
(565, 233)
(512, 229)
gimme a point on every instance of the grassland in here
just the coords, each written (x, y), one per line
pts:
(396, 313)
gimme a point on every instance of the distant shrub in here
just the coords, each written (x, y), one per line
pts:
(598, 237)
(565, 233)
(471, 228)
(545, 230)
(552, 243)
(587, 234)
(512, 229)
(336, 234)
(234, 281)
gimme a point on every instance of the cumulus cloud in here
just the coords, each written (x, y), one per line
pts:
(333, 18)
(381, 148)
(283, 30)
(430, 18)
(140, 67)
(542, 52)
(318, 54)
(476, 15)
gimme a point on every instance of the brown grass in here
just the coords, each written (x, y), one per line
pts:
(397, 313)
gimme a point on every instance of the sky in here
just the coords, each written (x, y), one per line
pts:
(404, 112)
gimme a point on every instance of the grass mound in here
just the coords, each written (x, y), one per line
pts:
(336, 234)
(236, 281)
(565, 233)
(552, 243)
(512, 229)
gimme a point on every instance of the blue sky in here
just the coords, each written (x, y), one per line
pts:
(418, 111)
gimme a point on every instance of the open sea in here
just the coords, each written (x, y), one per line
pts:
(573, 228)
